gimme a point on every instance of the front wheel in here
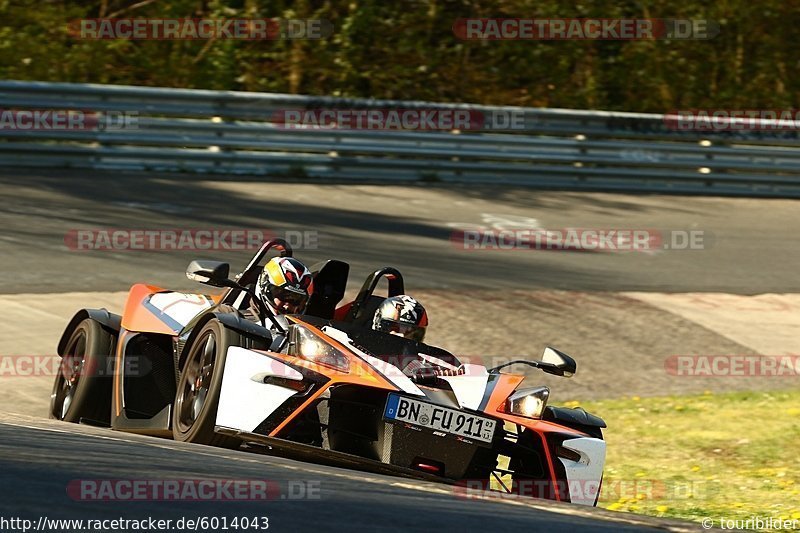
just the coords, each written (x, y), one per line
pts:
(82, 388)
(199, 385)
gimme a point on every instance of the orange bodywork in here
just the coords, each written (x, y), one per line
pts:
(496, 407)
(360, 373)
(136, 317)
(118, 374)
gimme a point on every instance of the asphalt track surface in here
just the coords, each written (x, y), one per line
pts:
(751, 248)
(39, 459)
(750, 245)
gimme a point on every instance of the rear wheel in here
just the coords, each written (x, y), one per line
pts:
(83, 384)
(197, 395)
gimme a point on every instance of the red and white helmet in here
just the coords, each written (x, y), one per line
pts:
(401, 315)
(286, 285)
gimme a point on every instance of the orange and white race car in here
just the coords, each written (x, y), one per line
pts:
(322, 386)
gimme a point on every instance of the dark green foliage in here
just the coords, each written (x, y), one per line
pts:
(406, 50)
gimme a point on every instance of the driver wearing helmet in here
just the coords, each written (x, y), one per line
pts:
(403, 316)
(285, 286)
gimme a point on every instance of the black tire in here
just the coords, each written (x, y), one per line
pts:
(83, 384)
(199, 385)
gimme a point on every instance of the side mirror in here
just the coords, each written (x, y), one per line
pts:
(214, 273)
(553, 362)
(558, 363)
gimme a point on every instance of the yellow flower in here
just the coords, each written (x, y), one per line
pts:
(695, 468)
(796, 515)
(662, 508)
(640, 474)
(614, 507)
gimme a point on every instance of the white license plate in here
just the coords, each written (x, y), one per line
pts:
(438, 418)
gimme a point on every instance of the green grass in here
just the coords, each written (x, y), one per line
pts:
(732, 456)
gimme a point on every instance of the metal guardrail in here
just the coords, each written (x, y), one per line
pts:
(233, 133)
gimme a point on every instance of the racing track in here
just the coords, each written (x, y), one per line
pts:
(39, 458)
(750, 243)
(367, 225)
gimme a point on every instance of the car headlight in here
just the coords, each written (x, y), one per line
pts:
(313, 348)
(529, 403)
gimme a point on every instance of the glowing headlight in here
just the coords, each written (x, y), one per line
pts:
(529, 403)
(307, 345)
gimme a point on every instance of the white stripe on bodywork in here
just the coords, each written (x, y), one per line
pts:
(389, 371)
(179, 306)
(584, 475)
(245, 400)
(470, 387)
(437, 361)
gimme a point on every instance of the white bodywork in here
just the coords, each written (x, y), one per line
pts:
(585, 474)
(178, 306)
(470, 387)
(245, 400)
